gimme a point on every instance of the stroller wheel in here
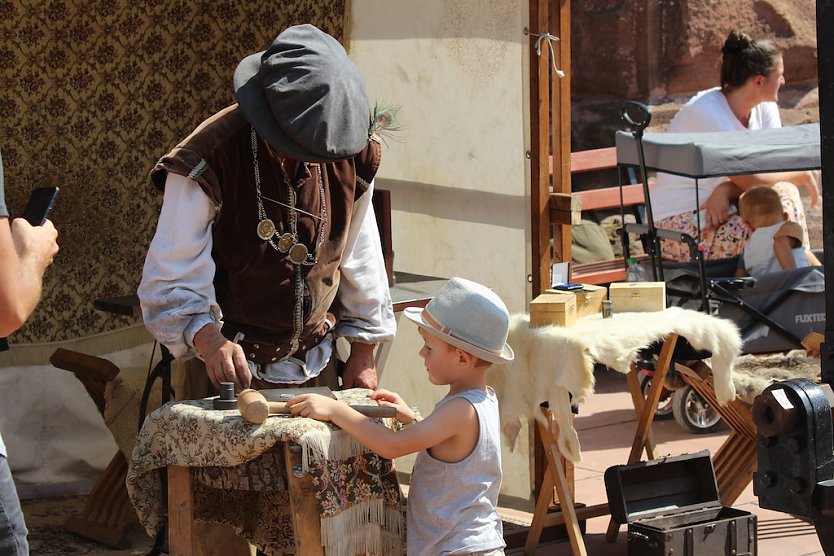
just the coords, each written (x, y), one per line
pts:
(664, 404)
(694, 413)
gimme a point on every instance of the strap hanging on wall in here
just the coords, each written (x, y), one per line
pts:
(542, 37)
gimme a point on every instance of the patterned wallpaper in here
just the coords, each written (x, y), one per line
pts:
(92, 93)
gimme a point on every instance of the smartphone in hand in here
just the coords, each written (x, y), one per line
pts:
(40, 205)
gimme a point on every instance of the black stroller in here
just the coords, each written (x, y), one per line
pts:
(774, 313)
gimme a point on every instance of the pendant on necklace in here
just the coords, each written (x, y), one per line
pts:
(298, 253)
(266, 229)
(285, 242)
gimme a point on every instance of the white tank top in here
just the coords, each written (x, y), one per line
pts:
(452, 506)
(758, 258)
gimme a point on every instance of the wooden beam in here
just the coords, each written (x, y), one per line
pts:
(592, 160)
(539, 148)
(565, 209)
(560, 147)
(609, 197)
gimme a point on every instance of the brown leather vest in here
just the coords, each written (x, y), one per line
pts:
(254, 283)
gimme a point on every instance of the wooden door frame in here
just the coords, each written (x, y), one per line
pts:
(549, 135)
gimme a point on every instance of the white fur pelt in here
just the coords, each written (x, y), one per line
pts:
(552, 361)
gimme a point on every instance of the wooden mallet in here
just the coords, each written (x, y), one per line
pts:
(255, 408)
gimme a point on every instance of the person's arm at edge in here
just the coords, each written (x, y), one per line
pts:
(25, 252)
(799, 178)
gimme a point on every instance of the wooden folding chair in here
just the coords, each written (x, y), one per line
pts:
(108, 510)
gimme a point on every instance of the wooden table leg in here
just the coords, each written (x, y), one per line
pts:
(639, 402)
(539, 514)
(305, 514)
(180, 511)
(554, 476)
(643, 434)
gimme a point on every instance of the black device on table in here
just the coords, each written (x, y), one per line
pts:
(569, 286)
(37, 210)
(560, 274)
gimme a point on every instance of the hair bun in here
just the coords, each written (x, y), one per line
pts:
(736, 42)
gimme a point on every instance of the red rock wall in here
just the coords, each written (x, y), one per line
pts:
(655, 48)
(663, 51)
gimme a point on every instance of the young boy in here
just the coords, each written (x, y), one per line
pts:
(457, 475)
(775, 243)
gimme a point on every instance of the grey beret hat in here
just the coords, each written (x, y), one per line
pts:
(305, 97)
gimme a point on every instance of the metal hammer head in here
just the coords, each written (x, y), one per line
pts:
(227, 397)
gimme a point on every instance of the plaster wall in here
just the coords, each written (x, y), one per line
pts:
(457, 168)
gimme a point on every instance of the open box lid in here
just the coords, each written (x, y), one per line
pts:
(666, 486)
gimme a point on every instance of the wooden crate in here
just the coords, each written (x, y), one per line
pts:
(557, 308)
(588, 300)
(638, 297)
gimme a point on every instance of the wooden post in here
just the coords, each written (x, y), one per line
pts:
(180, 511)
(539, 147)
(560, 133)
(305, 514)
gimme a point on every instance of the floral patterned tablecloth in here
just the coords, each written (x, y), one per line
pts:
(240, 478)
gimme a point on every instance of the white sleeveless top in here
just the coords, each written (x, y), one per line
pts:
(452, 506)
(758, 258)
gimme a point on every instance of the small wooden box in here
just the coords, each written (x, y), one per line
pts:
(589, 300)
(557, 308)
(637, 297)
(671, 506)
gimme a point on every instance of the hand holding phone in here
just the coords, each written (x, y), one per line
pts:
(40, 205)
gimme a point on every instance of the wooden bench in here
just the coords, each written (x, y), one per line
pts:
(595, 160)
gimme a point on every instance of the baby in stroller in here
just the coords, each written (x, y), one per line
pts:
(774, 243)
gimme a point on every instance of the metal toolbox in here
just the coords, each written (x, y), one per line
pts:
(672, 508)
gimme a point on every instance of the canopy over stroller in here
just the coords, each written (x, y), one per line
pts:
(773, 313)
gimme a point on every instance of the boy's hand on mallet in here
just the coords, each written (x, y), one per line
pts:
(314, 406)
(391, 399)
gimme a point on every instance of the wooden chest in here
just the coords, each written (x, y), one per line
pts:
(638, 297)
(557, 308)
(672, 508)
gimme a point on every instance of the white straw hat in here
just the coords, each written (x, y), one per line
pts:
(469, 316)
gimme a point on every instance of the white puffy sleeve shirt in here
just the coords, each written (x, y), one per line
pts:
(177, 291)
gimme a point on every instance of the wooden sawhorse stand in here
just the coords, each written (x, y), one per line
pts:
(737, 458)
(305, 515)
(555, 476)
(645, 409)
(555, 471)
